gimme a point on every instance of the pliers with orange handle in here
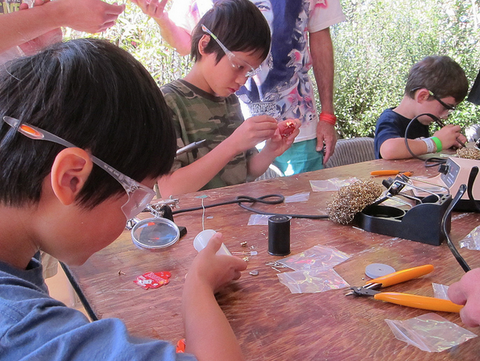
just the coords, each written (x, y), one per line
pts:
(389, 172)
(405, 299)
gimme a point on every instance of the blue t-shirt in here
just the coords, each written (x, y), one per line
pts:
(393, 125)
(34, 326)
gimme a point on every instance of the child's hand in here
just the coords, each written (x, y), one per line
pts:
(448, 136)
(284, 136)
(467, 292)
(253, 131)
(212, 270)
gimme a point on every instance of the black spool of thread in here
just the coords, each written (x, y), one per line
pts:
(279, 235)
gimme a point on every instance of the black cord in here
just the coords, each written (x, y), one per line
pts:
(458, 257)
(430, 162)
(471, 181)
(277, 198)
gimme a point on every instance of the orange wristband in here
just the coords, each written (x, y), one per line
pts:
(327, 117)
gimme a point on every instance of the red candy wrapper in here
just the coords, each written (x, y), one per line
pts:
(153, 280)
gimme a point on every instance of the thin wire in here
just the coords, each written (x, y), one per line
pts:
(267, 199)
(203, 215)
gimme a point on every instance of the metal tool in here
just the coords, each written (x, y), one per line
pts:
(404, 299)
(190, 147)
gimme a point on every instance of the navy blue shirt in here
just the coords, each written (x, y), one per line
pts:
(393, 125)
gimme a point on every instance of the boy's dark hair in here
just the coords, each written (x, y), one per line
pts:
(439, 74)
(96, 96)
(238, 24)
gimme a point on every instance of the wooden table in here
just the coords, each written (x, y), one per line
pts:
(270, 322)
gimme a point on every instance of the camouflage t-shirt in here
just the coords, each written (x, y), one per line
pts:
(200, 115)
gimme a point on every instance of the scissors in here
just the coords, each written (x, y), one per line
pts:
(404, 299)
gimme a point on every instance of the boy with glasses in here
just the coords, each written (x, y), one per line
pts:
(435, 85)
(84, 134)
(228, 45)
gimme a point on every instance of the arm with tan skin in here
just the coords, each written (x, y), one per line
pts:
(208, 333)
(174, 35)
(467, 292)
(87, 15)
(195, 175)
(395, 148)
(321, 49)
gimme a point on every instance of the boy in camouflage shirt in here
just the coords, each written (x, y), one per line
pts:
(205, 106)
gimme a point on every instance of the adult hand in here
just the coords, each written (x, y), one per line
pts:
(215, 271)
(253, 131)
(448, 136)
(467, 292)
(91, 16)
(153, 8)
(33, 46)
(326, 135)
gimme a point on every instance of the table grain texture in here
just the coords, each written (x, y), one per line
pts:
(270, 322)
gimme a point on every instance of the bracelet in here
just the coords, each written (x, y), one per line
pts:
(327, 117)
(430, 144)
(438, 143)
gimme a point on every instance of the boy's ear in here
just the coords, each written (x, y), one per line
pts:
(202, 44)
(70, 171)
(422, 95)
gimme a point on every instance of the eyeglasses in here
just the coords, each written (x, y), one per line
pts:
(238, 64)
(139, 196)
(450, 108)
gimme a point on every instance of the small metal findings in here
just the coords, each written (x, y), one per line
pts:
(253, 273)
(244, 244)
(246, 259)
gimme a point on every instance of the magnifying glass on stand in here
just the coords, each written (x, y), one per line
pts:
(159, 232)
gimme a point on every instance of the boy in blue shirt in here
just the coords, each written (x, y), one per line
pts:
(435, 85)
(84, 134)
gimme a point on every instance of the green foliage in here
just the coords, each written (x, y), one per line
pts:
(374, 50)
(140, 35)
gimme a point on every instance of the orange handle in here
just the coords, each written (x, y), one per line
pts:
(403, 275)
(389, 172)
(425, 303)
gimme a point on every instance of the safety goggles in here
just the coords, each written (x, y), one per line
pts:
(448, 107)
(138, 194)
(237, 63)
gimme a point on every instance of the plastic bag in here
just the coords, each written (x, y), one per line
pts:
(299, 197)
(440, 291)
(259, 219)
(318, 258)
(333, 184)
(312, 281)
(430, 332)
(472, 240)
